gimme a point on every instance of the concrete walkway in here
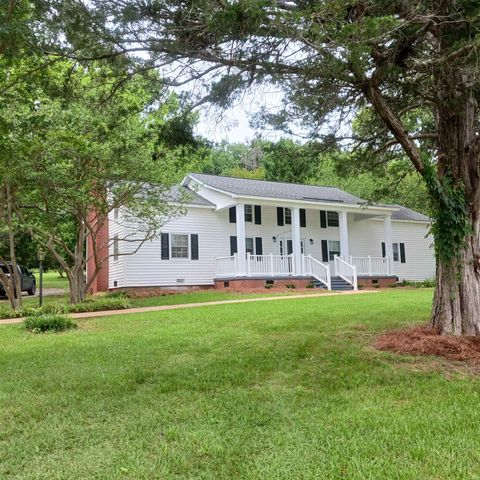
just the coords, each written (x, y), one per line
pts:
(160, 308)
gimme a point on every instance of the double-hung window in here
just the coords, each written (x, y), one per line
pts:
(288, 216)
(396, 252)
(179, 245)
(332, 219)
(250, 246)
(333, 249)
(249, 213)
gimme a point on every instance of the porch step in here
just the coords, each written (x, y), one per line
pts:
(338, 283)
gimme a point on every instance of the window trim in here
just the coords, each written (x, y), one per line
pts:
(397, 253)
(331, 258)
(249, 213)
(336, 221)
(189, 250)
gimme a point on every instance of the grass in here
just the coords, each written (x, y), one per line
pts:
(211, 296)
(267, 390)
(51, 279)
(174, 299)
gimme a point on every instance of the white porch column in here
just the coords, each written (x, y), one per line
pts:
(343, 224)
(387, 233)
(241, 244)
(296, 241)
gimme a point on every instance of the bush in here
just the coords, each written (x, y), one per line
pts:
(429, 283)
(93, 304)
(291, 285)
(48, 323)
(100, 303)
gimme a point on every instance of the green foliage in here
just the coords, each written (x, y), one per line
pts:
(452, 224)
(429, 283)
(92, 304)
(48, 322)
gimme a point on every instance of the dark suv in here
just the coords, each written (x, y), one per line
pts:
(27, 279)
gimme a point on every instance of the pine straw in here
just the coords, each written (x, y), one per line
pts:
(424, 341)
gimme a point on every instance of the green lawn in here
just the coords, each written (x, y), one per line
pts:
(51, 280)
(176, 299)
(268, 390)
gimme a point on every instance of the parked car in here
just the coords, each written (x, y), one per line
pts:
(27, 279)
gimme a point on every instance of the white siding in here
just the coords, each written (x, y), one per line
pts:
(146, 268)
(116, 267)
(366, 237)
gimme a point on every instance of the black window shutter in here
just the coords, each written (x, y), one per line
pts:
(323, 219)
(384, 253)
(233, 245)
(402, 253)
(258, 215)
(165, 241)
(324, 251)
(303, 217)
(258, 246)
(280, 216)
(194, 246)
(232, 213)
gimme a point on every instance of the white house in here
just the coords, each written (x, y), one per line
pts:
(243, 233)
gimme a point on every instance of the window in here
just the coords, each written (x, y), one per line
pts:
(116, 249)
(179, 246)
(332, 219)
(396, 252)
(333, 249)
(248, 213)
(288, 216)
(115, 213)
(249, 246)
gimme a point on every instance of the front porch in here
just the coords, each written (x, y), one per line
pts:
(300, 248)
(369, 270)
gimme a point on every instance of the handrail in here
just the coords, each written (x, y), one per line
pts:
(371, 265)
(346, 271)
(317, 269)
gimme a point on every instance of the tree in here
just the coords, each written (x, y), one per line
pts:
(84, 155)
(334, 58)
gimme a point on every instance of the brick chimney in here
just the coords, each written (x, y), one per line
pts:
(100, 283)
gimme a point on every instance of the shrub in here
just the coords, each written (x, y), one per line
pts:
(269, 286)
(429, 283)
(291, 285)
(100, 303)
(48, 323)
(309, 285)
(116, 294)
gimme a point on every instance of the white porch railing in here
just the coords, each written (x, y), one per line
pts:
(318, 270)
(263, 265)
(346, 271)
(371, 265)
(225, 266)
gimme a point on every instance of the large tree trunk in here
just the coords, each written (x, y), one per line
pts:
(456, 305)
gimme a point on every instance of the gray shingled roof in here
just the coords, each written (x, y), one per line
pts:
(186, 195)
(408, 214)
(262, 188)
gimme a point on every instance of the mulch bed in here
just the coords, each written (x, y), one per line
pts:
(424, 341)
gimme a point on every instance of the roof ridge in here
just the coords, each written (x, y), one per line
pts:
(268, 181)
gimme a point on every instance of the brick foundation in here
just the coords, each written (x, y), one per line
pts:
(244, 284)
(144, 292)
(372, 282)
